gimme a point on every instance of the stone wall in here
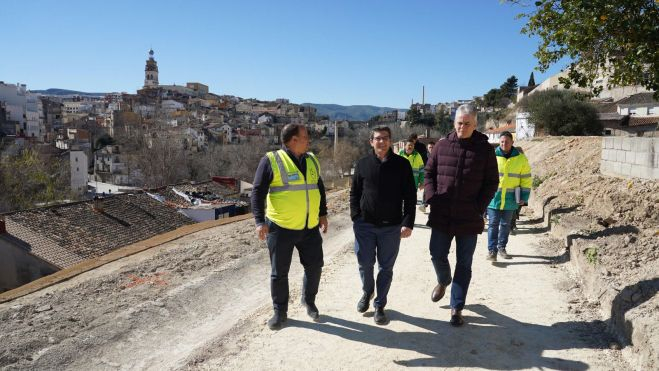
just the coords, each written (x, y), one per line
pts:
(630, 157)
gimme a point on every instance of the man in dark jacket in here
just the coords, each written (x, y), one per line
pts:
(382, 208)
(461, 178)
(419, 147)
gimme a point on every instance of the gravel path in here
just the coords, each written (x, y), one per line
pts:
(201, 302)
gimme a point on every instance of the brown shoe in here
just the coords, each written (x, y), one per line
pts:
(438, 292)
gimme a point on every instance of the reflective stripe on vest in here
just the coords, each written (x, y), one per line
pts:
(293, 201)
(516, 175)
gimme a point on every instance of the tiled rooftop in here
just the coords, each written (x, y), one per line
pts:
(68, 234)
(641, 98)
(643, 120)
(501, 129)
(209, 192)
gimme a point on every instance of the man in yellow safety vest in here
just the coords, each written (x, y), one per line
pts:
(514, 190)
(288, 203)
(416, 161)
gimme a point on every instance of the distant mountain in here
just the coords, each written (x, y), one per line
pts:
(54, 91)
(356, 113)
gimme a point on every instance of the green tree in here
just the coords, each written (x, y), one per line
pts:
(443, 121)
(491, 98)
(617, 38)
(376, 118)
(509, 89)
(561, 112)
(104, 140)
(29, 178)
(413, 116)
(427, 120)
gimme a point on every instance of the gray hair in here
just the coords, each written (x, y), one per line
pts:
(467, 109)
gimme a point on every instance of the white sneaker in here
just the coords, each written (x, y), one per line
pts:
(422, 208)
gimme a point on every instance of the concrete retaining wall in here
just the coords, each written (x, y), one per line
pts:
(630, 157)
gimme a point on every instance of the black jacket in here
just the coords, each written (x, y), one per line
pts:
(383, 192)
(423, 151)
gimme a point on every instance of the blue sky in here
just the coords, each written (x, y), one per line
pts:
(341, 51)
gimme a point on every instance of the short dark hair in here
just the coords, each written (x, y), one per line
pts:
(380, 128)
(289, 131)
(507, 134)
(413, 136)
(431, 142)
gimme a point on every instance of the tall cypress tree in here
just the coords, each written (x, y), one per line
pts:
(531, 80)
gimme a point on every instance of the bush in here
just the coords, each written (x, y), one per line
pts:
(537, 181)
(562, 112)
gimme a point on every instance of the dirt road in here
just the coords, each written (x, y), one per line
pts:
(518, 318)
(201, 302)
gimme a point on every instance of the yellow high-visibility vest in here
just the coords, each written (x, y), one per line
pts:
(293, 200)
(514, 173)
(417, 165)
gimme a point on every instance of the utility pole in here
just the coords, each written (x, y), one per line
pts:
(336, 138)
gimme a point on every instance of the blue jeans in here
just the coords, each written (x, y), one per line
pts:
(440, 244)
(373, 242)
(498, 228)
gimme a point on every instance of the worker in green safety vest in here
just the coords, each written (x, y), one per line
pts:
(416, 161)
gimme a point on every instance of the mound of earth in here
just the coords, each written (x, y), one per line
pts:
(612, 226)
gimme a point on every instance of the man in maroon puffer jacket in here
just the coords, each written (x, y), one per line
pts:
(461, 178)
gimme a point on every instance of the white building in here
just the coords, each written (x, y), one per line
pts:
(34, 123)
(170, 105)
(25, 109)
(523, 128)
(639, 105)
(14, 99)
(79, 177)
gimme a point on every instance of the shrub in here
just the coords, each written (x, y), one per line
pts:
(562, 112)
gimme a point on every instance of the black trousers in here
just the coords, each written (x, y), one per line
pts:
(281, 242)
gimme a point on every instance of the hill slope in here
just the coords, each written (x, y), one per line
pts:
(56, 91)
(356, 113)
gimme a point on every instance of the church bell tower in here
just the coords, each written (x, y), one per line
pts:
(151, 72)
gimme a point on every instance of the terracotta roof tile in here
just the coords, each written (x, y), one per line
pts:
(640, 98)
(644, 120)
(510, 127)
(67, 234)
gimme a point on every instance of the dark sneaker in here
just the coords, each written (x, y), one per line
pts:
(277, 320)
(362, 306)
(492, 256)
(312, 310)
(503, 254)
(379, 316)
(438, 292)
(456, 318)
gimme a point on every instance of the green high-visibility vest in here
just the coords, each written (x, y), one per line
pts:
(293, 200)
